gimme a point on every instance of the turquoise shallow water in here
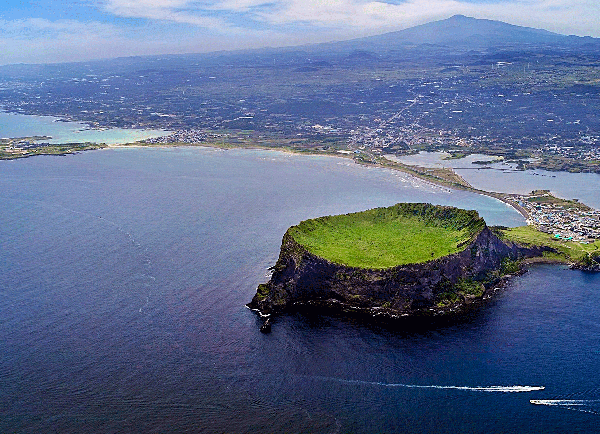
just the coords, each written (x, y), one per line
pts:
(126, 271)
(17, 125)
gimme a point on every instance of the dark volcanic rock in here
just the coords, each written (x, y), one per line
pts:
(448, 284)
(266, 327)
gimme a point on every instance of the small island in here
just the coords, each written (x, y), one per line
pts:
(407, 260)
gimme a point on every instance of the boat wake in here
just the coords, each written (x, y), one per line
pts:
(584, 405)
(499, 389)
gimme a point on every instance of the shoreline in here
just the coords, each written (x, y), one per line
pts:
(420, 288)
(388, 164)
(456, 182)
(400, 167)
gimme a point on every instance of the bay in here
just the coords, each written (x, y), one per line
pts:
(14, 125)
(126, 271)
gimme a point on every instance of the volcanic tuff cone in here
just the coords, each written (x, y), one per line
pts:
(408, 259)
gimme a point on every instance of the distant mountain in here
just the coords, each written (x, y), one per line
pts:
(463, 34)
(454, 36)
(468, 32)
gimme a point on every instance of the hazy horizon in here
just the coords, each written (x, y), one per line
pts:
(48, 31)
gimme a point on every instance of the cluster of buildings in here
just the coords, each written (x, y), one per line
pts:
(588, 151)
(21, 145)
(180, 136)
(565, 220)
(404, 138)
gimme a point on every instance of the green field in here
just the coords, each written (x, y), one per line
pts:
(388, 237)
(566, 251)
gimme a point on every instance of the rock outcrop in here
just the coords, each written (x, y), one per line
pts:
(447, 284)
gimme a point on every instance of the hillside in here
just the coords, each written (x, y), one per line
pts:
(412, 283)
(465, 33)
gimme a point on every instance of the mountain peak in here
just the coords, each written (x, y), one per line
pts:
(460, 17)
(465, 33)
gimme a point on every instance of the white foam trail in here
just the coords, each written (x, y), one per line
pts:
(499, 389)
(503, 389)
(584, 405)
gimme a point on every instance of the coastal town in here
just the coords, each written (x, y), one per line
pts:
(567, 220)
(186, 136)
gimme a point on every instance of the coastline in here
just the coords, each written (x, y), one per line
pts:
(404, 168)
(448, 179)
(386, 164)
(310, 274)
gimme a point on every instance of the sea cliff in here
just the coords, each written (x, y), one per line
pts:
(448, 284)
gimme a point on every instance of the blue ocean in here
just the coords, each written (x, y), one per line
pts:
(125, 274)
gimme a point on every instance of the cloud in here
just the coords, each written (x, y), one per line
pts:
(38, 27)
(578, 16)
(36, 40)
(180, 26)
(177, 11)
(567, 16)
(356, 13)
(41, 40)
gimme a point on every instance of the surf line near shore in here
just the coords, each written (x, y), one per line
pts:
(455, 183)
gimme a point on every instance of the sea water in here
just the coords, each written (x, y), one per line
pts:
(15, 125)
(504, 177)
(124, 278)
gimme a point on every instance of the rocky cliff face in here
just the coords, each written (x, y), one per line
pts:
(439, 286)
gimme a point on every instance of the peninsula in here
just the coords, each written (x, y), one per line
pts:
(407, 260)
(22, 147)
(410, 259)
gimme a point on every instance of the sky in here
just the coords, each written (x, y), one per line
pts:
(49, 31)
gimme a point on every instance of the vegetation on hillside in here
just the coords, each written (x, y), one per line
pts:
(564, 251)
(388, 237)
